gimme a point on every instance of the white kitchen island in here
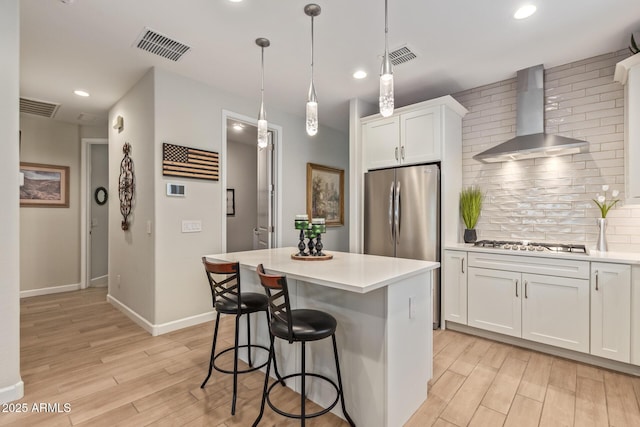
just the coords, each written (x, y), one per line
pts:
(383, 308)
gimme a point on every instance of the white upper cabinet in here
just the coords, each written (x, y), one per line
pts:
(414, 134)
(628, 73)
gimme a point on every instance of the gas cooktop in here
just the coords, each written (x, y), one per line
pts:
(525, 245)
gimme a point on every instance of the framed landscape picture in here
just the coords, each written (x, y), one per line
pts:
(44, 186)
(325, 194)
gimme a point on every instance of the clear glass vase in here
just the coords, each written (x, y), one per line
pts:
(602, 236)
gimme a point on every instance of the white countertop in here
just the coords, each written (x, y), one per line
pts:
(348, 271)
(591, 255)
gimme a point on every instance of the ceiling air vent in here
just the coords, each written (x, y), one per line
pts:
(401, 55)
(160, 45)
(38, 108)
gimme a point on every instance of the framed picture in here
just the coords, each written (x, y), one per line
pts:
(325, 194)
(231, 202)
(44, 186)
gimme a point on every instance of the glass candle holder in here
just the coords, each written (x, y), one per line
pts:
(301, 223)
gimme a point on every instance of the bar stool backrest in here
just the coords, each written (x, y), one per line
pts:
(224, 289)
(278, 293)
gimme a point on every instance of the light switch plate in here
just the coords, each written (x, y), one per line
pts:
(191, 226)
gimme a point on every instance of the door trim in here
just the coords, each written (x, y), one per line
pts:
(277, 161)
(85, 200)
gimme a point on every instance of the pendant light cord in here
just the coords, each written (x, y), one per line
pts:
(386, 28)
(262, 76)
(312, 49)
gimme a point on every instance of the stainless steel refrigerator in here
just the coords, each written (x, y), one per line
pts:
(402, 217)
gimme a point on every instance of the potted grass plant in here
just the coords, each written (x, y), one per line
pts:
(470, 206)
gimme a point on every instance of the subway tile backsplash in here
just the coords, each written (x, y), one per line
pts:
(551, 199)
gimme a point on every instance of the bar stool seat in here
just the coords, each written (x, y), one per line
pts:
(299, 325)
(224, 281)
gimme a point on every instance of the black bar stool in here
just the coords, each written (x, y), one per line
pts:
(228, 299)
(300, 325)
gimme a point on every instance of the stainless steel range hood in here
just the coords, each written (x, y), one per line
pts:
(531, 141)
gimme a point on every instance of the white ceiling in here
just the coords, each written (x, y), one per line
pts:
(460, 44)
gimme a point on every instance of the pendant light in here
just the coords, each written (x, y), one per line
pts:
(263, 137)
(386, 74)
(312, 10)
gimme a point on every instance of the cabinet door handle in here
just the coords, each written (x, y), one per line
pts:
(402, 152)
(462, 263)
(526, 294)
(516, 288)
(596, 280)
(396, 153)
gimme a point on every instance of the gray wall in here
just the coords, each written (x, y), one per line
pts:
(161, 274)
(11, 387)
(242, 177)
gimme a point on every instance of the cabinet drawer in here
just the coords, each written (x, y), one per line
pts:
(531, 264)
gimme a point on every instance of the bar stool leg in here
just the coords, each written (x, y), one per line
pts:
(303, 390)
(344, 409)
(249, 340)
(213, 350)
(235, 368)
(266, 383)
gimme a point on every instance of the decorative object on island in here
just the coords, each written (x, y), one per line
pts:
(386, 73)
(312, 10)
(310, 230)
(263, 132)
(301, 223)
(470, 206)
(189, 162)
(325, 194)
(604, 206)
(45, 186)
(126, 185)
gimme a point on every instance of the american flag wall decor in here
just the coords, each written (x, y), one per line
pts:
(189, 162)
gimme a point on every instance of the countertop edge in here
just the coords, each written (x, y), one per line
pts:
(594, 256)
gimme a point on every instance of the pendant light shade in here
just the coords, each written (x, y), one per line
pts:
(312, 10)
(263, 137)
(386, 74)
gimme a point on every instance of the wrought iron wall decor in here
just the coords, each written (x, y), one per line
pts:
(126, 185)
(189, 162)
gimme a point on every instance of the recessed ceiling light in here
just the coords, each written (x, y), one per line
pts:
(237, 126)
(81, 93)
(525, 11)
(360, 74)
(235, 1)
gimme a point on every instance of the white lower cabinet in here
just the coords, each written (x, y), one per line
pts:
(494, 301)
(455, 286)
(555, 311)
(611, 311)
(511, 299)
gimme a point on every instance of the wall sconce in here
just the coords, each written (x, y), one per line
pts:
(118, 124)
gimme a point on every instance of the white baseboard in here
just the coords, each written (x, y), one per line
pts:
(100, 282)
(47, 291)
(135, 317)
(162, 328)
(11, 393)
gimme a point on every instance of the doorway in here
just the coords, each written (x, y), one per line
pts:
(95, 212)
(251, 183)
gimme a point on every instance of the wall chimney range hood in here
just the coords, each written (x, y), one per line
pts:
(531, 141)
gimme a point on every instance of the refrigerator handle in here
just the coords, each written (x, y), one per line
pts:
(391, 228)
(397, 213)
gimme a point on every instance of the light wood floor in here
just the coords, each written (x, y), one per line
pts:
(77, 349)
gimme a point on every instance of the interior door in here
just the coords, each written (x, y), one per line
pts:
(264, 231)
